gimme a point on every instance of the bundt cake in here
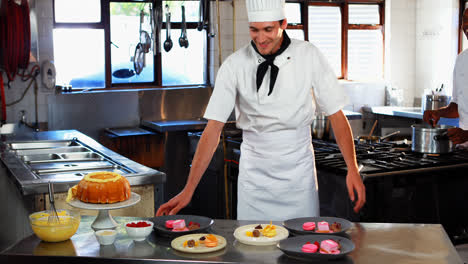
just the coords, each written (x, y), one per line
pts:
(101, 187)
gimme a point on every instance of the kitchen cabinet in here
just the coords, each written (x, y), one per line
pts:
(137, 144)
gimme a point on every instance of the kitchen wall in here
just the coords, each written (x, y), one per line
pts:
(420, 40)
(436, 44)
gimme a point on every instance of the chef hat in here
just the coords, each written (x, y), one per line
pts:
(265, 10)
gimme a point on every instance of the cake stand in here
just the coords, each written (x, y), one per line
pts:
(104, 220)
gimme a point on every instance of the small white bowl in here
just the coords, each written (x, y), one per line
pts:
(106, 236)
(139, 233)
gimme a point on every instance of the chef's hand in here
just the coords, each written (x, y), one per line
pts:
(175, 204)
(355, 184)
(457, 135)
(431, 117)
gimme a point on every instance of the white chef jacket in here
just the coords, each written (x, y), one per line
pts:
(304, 80)
(460, 88)
(277, 178)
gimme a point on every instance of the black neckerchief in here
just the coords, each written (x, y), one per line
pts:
(263, 67)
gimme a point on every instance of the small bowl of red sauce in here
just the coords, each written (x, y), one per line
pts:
(138, 230)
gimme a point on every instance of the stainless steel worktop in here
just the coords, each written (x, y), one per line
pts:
(407, 112)
(28, 182)
(375, 243)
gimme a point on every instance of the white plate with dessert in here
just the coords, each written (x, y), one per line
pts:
(316, 247)
(260, 234)
(317, 225)
(199, 243)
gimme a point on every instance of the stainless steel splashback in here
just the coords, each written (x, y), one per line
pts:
(186, 103)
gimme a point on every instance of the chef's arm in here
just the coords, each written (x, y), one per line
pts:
(449, 111)
(206, 147)
(432, 116)
(344, 138)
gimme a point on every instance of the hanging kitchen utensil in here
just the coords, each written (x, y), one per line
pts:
(123, 73)
(206, 24)
(168, 42)
(157, 21)
(139, 59)
(145, 41)
(200, 16)
(203, 16)
(183, 41)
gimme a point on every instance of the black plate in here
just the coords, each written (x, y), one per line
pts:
(293, 245)
(295, 225)
(160, 224)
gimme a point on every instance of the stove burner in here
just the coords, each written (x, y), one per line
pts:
(382, 157)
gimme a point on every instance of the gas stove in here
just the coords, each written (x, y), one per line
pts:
(386, 158)
(377, 159)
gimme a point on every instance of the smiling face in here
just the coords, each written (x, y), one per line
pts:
(267, 36)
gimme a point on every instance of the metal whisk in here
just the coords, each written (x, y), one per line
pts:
(53, 217)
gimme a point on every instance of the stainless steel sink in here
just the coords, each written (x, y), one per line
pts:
(63, 158)
(73, 175)
(81, 156)
(42, 144)
(40, 157)
(51, 150)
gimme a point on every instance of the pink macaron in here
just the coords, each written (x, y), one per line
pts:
(309, 248)
(169, 224)
(308, 226)
(178, 224)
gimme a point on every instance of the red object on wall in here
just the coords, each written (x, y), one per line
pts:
(15, 37)
(3, 104)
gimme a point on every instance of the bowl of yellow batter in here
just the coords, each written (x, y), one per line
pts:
(55, 231)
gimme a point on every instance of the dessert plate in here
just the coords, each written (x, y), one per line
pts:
(295, 225)
(160, 224)
(292, 246)
(178, 244)
(239, 234)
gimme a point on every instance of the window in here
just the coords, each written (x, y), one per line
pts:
(111, 44)
(349, 34)
(325, 33)
(295, 27)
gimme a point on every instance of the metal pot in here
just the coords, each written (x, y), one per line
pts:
(320, 127)
(433, 140)
(434, 102)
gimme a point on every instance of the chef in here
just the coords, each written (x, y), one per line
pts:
(275, 84)
(458, 106)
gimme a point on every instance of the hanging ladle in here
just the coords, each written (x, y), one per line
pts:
(183, 41)
(168, 42)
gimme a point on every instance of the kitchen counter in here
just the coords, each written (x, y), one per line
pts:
(407, 112)
(24, 185)
(374, 243)
(199, 124)
(28, 183)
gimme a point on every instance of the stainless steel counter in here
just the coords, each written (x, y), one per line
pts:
(375, 243)
(28, 183)
(407, 112)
